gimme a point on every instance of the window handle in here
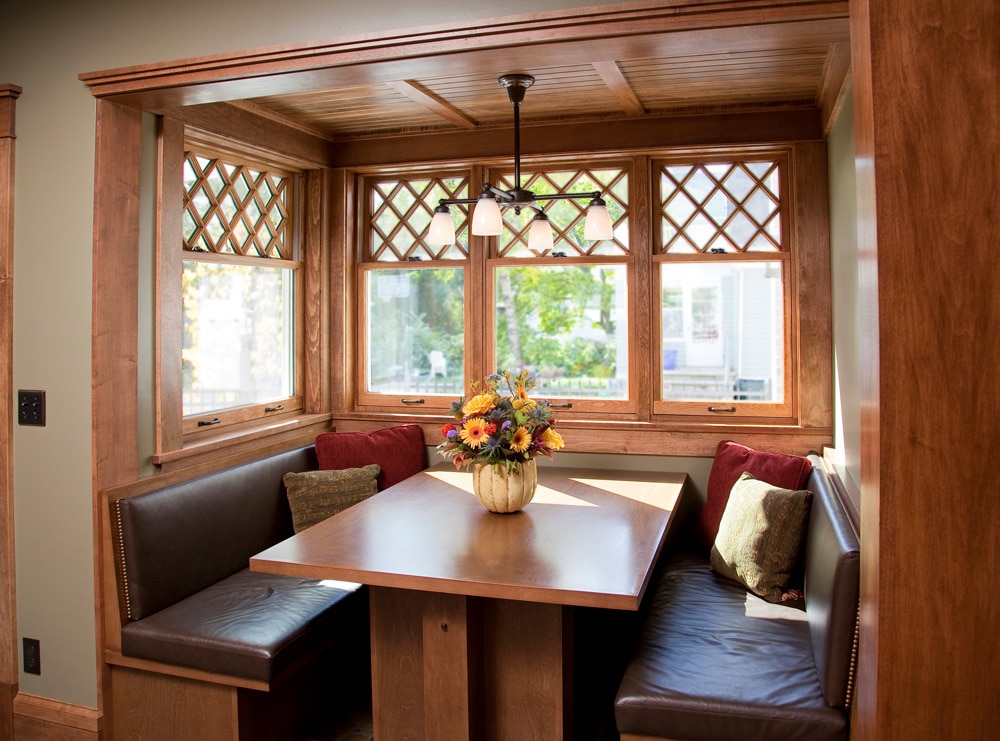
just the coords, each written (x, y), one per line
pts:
(274, 409)
(412, 401)
(567, 405)
(729, 410)
(208, 422)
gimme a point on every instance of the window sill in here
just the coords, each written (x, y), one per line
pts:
(685, 438)
(278, 433)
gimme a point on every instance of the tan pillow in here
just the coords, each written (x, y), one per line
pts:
(316, 495)
(760, 536)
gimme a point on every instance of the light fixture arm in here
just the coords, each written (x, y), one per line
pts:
(516, 198)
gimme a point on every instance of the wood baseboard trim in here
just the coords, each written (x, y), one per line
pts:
(58, 713)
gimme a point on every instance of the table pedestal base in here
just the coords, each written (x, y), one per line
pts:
(450, 667)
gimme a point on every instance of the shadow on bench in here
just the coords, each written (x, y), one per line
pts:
(715, 662)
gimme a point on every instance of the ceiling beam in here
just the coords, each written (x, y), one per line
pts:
(612, 76)
(425, 98)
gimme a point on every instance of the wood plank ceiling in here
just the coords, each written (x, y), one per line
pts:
(801, 71)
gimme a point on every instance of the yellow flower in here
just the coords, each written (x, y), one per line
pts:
(480, 404)
(474, 432)
(522, 401)
(520, 440)
(553, 439)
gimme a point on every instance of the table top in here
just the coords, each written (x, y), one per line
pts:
(588, 538)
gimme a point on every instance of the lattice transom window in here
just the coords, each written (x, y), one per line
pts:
(400, 214)
(235, 209)
(721, 207)
(567, 217)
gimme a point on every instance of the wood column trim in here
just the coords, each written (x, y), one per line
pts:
(115, 335)
(8, 604)
(927, 127)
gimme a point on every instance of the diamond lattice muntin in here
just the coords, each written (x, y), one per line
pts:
(567, 217)
(720, 207)
(401, 213)
(234, 209)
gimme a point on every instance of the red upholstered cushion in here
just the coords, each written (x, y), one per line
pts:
(731, 460)
(399, 451)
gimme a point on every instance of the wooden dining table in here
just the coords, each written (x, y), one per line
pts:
(472, 611)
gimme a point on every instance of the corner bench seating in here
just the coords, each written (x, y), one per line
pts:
(198, 625)
(713, 661)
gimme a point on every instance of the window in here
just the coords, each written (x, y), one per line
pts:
(564, 314)
(239, 276)
(689, 314)
(413, 325)
(722, 271)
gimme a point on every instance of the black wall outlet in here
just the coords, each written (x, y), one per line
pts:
(32, 655)
(31, 408)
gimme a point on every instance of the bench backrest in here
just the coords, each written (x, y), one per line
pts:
(173, 542)
(832, 584)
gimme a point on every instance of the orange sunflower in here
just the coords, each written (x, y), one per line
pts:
(474, 432)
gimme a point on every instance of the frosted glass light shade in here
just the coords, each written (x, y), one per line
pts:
(598, 223)
(540, 234)
(486, 219)
(442, 229)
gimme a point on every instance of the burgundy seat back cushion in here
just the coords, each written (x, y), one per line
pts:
(399, 451)
(731, 460)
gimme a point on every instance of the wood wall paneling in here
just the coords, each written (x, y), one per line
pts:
(316, 240)
(812, 283)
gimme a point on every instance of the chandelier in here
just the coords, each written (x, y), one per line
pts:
(486, 216)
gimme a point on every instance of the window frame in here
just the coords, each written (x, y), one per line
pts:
(180, 439)
(376, 402)
(786, 410)
(648, 428)
(480, 279)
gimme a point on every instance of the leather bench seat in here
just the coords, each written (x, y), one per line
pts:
(714, 662)
(705, 671)
(248, 625)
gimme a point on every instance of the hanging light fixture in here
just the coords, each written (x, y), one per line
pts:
(487, 219)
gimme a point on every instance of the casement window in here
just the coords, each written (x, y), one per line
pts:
(239, 284)
(413, 306)
(723, 265)
(563, 311)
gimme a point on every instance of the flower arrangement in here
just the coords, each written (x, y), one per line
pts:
(500, 424)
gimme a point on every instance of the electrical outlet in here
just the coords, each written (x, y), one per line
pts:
(31, 408)
(32, 656)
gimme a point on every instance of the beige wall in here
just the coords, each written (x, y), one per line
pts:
(44, 46)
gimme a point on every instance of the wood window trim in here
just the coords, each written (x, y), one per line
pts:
(178, 441)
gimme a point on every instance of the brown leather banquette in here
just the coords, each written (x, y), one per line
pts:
(715, 662)
(192, 609)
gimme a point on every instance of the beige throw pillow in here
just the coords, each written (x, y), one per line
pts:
(315, 495)
(760, 536)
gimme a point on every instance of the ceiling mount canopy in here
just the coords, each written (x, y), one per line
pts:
(486, 216)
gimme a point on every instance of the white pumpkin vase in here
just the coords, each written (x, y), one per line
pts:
(505, 489)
